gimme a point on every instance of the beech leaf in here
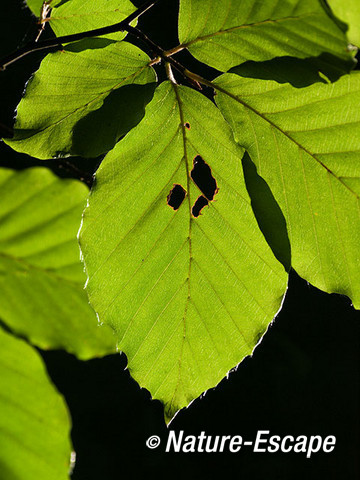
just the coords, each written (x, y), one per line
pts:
(227, 33)
(80, 101)
(305, 144)
(73, 16)
(42, 281)
(34, 420)
(176, 262)
(348, 12)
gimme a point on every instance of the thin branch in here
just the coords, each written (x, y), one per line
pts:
(155, 49)
(85, 177)
(45, 12)
(56, 43)
(174, 50)
(159, 53)
(169, 73)
(200, 80)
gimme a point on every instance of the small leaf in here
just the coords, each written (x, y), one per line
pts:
(188, 297)
(41, 277)
(305, 144)
(225, 34)
(34, 421)
(69, 104)
(74, 16)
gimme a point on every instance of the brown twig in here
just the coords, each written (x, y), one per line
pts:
(56, 43)
(45, 12)
(159, 53)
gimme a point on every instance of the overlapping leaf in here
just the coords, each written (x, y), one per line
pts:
(79, 102)
(74, 16)
(36, 5)
(34, 422)
(306, 145)
(41, 277)
(189, 297)
(225, 34)
(348, 12)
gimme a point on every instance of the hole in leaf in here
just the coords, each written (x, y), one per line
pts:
(201, 174)
(200, 203)
(187, 125)
(176, 196)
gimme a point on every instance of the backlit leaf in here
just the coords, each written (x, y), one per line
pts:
(74, 16)
(348, 12)
(189, 291)
(41, 277)
(227, 33)
(306, 143)
(83, 99)
(34, 422)
(35, 6)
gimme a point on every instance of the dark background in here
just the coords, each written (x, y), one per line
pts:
(303, 379)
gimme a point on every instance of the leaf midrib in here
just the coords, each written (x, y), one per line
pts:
(188, 185)
(243, 27)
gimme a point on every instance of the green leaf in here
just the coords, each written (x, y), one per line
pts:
(188, 297)
(34, 421)
(74, 16)
(225, 34)
(267, 212)
(299, 72)
(35, 6)
(348, 12)
(305, 144)
(41, 277)
(72, 104)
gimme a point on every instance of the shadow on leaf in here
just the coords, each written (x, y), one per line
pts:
(298, 72)
(267, 212)
(88, 44)
(123, 109)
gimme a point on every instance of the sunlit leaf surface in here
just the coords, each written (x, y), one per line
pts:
(83, 99)
(305, 143)
(41, 277)
(74, 16)
(34, 421)
(348, 12)
(176, 262)
(227, 33)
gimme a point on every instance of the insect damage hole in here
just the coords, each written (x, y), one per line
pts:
(201, 175)
(187, 125)
(176, 196)
(200, 203)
